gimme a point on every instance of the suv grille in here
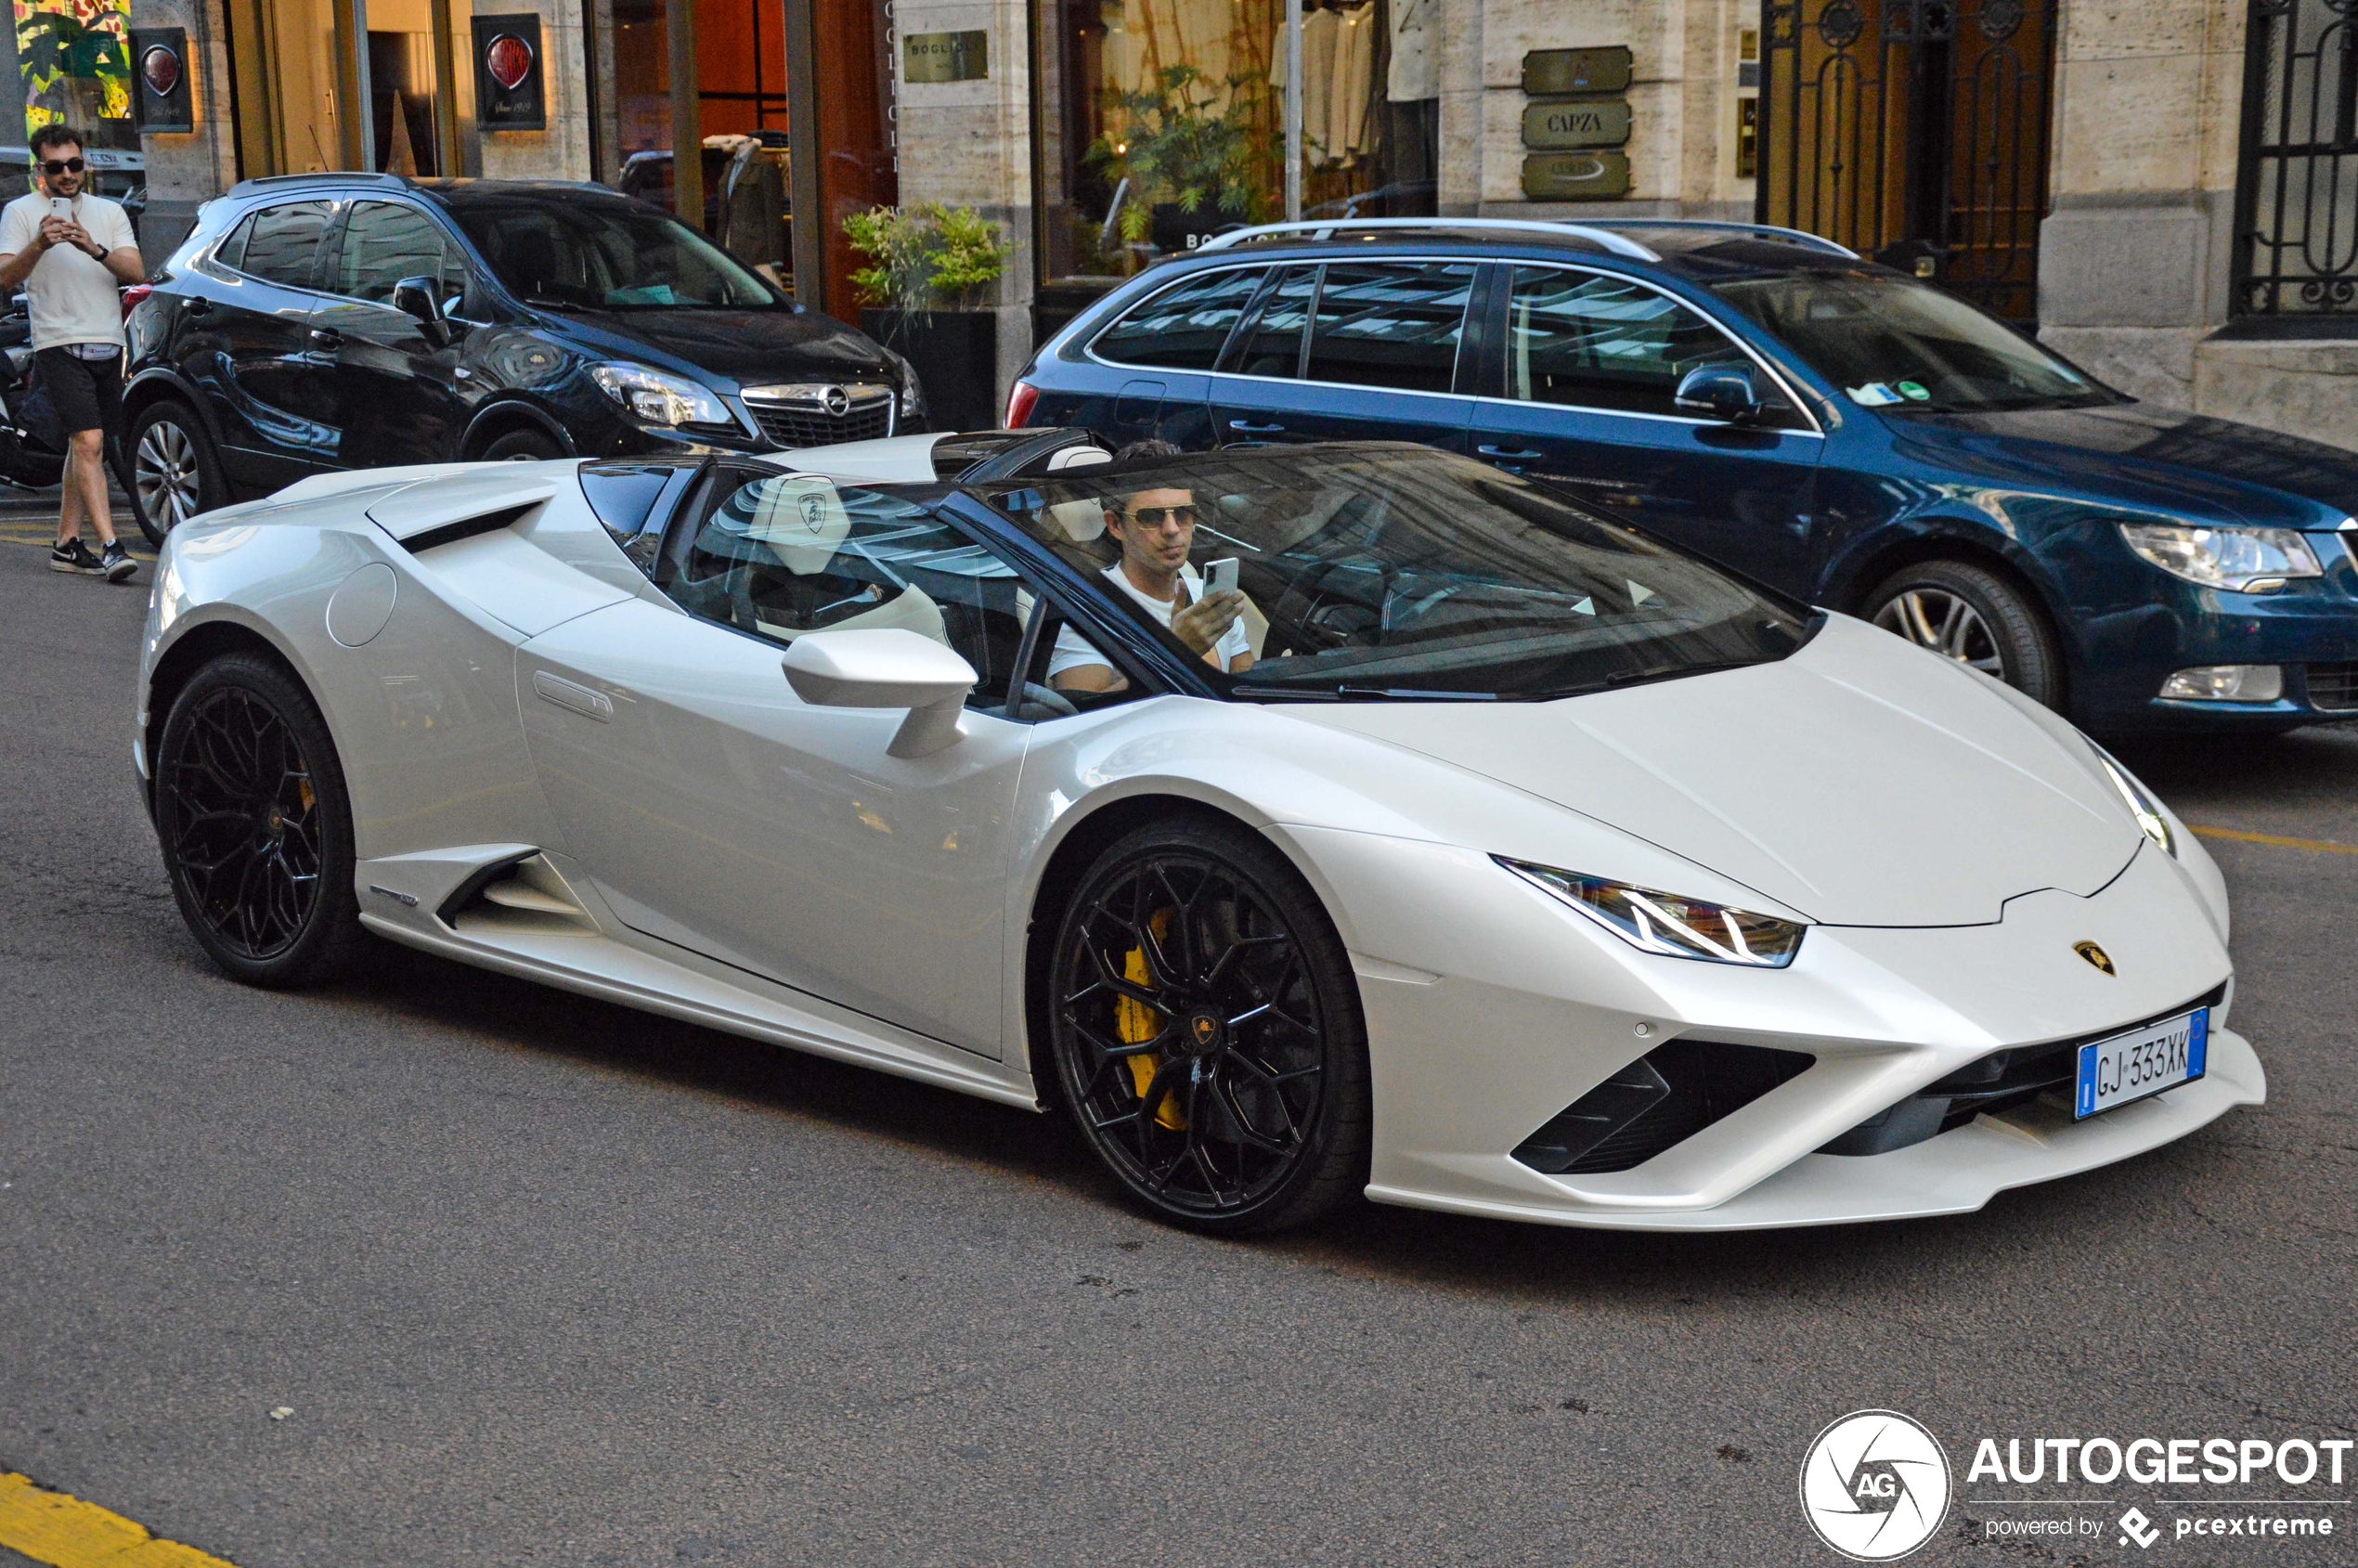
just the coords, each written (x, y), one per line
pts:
(1665, 1096)
(798, 416)
(2333, 686)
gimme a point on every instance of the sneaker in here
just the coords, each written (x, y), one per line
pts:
(72, 555)
(117, 564)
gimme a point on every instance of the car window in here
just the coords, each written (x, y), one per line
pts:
(282, 243)
(783, 555)
(634, 500)
(1273, 347)
(384, 243)
(589, 254)
(1392, 570)
(1390, 325)
(230, 251)
(1595, 342)
(1183, 327)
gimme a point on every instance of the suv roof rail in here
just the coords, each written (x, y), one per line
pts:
(1619, 244)
(1729, 226)
(343, 176)
(1597, 231)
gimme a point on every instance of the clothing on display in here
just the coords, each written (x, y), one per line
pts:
(1338, 78)
(1416, 52)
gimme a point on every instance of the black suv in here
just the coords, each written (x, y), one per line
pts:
(316, 322)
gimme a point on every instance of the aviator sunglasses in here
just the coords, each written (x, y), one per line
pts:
(1153, 516)
(62, 166)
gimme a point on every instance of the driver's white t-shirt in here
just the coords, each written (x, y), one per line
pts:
(1072, 650)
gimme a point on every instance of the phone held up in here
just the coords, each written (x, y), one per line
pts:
(1219, 576)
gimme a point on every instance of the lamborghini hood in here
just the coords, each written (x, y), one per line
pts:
(1861, 782)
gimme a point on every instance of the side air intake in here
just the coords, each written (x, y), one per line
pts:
(1665, 1096)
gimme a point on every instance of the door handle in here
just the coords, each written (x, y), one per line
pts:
(576, 698)
(1246, 427)
(326, 337)
(1510, 454)
(196, 305)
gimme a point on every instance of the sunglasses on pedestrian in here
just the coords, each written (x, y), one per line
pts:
(1155, 516)
(63, 166)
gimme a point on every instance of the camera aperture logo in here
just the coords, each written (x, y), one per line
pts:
(1874, 1485)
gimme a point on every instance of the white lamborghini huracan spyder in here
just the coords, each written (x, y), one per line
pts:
(1497, 859)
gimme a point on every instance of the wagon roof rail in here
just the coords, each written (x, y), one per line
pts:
(1600, 232)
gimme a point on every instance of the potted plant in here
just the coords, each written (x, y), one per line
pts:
(926, 291)
(1185, 161)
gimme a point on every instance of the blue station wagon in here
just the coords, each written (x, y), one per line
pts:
(1837, 430)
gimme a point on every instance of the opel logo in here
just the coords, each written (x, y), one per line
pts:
(2095, 956)
(836, 401)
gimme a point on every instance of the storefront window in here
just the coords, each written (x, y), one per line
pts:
(1165, 121)
(75, 66)
(298, 66)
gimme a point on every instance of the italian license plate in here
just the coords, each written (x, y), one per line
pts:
(2144, 1061)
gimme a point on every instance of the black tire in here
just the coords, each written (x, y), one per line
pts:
(1194, 948)
(522, 445)
(171, 469)
(1977, 618)
(256, 825)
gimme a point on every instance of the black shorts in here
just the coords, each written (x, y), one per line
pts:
(88, 394)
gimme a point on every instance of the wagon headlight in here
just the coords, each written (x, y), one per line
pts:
(2141, 805)
(913, 391)
(2235, 559)
(653, 397)
(1668, 925)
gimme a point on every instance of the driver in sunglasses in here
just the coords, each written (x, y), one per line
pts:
(1156, 529)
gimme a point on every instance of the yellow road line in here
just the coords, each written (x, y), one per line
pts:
(2320, 846)
(65, 1532)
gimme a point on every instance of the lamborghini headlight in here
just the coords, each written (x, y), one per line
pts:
(1668, 925)
(2235, 558)
(654, 397)
(2141, 805)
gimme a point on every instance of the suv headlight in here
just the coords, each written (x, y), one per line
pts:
(1666, 923)
(913, 391)
(653, 397)
(2141, 803)
(2234, 559)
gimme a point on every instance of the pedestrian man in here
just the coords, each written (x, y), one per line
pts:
(70, 251)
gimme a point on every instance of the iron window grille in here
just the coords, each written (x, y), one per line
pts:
(2297, 177)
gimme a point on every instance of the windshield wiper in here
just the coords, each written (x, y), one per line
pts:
(1667, 672)
(1356, 695)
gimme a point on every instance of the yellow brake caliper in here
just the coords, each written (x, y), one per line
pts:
(1134, 1023)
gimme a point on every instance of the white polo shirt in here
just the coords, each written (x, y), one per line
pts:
(74, 297)
(1072, 650)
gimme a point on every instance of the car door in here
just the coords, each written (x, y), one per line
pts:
(250, 347)
(1586, 374)
(719, 811)
(1159, 354)
(1351, 352)
(402, 394)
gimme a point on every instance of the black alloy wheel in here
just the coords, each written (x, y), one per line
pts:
(1207, 1031)
(175, 474)
(255, 825)
(522, 445)
(1976, 617)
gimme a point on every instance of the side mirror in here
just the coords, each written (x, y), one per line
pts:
(19, 307)
(417, 297)
(1718, 392)
(886, 667)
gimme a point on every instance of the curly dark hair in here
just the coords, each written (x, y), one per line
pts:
(56, 133)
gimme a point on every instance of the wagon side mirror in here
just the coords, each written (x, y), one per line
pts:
(420, 297)
(1719, 392)
(886, 668)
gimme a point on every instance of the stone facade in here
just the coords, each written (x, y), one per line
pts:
(188, 169)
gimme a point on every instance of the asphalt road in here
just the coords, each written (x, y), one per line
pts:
(542, 1279)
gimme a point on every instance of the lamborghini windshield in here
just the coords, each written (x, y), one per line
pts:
(1384, 571)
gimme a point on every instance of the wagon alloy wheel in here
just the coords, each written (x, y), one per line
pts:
(164, 470)
(1947, 625)
(1197, 1032)
(252, 815)
(1978, 616)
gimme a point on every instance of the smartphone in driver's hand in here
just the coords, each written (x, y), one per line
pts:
(1219, 576)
